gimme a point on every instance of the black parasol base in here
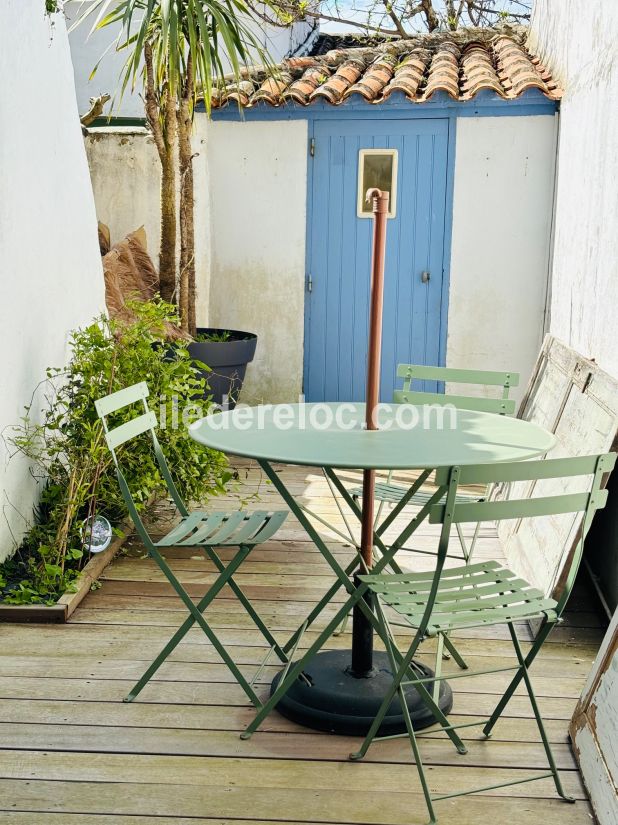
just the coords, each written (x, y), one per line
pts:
(334, 699)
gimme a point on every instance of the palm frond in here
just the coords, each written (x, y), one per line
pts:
(212, 32)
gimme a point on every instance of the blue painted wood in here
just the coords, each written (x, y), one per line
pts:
(484, 104)
(339, 249)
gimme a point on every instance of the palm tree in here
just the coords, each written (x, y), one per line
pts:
(177, 49)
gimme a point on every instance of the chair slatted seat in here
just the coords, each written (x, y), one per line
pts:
(198, 529)
(224, 529)
(393, 493)
(469, 596)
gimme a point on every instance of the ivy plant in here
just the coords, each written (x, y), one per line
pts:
(65, 444)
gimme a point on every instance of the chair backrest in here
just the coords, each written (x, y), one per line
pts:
(588, 473)
(485, 378)
(115, 437)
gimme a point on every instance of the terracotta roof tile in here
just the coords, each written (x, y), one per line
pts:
(335, 88)
(301, 90)
(409, 74)
(273, 88)
(478, 72)
(460, 64)
(371, 85)
(443, 72)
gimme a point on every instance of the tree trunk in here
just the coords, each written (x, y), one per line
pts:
(187, 208)
(167, 254)
(161, 114)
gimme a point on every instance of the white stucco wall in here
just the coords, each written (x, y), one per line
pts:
(257, 182)
(88, 47)
(579, 45)
(50, 269)
(502, 211)
(126, 174)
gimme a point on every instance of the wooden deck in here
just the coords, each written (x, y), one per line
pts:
(74, 754)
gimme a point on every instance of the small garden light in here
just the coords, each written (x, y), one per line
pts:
(97, 534)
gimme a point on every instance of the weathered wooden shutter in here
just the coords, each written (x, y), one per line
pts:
(594, 730)
(570, 396)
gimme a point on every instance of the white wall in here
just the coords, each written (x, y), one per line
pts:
(257, 182)
(126, 174)
(50, 269)
(502, 210)
(579, 45)
(87, 49)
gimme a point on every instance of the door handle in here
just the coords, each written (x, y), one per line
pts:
(425, 276)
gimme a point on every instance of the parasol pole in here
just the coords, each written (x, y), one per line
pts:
(339, 695)
(362, 637)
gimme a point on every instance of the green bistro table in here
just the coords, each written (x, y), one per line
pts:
(341, 690)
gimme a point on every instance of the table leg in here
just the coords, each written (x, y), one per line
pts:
(362, 633)
(342, 689)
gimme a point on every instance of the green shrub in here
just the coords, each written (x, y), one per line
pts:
(69, 454)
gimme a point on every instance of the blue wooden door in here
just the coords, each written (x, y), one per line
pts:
(339, 252)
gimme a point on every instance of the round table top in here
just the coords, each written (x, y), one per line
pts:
(333, 435)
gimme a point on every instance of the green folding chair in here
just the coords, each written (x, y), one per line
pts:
(197, 529)
(484, 593)
(389, 493)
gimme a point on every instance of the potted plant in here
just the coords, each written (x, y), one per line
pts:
(227, 353)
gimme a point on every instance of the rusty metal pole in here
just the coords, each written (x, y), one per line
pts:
(380, 212)
(362, 635)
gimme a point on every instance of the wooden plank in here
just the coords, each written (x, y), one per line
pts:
(273, 745)
(579, 649)
(226, 695)
(104, 640)
(32, 613)
(218, 673)
(144, 649)
(255, 591)
(312, 805)
(44, 818)
(222, 718)
(293, 573)
(300, 551)
(282, 621)
(268, 773)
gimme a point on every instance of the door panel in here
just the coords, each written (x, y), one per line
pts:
(336, 319)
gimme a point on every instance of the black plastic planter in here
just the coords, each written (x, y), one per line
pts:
(227, 361)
